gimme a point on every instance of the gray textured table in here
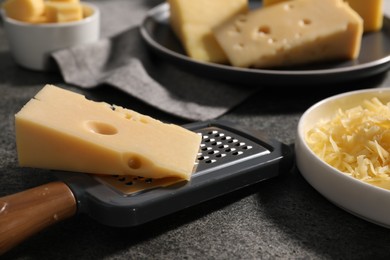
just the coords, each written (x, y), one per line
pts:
(283, 218)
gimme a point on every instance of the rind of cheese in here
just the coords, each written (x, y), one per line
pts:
(292, 33)
(62, 130)
(192, 22)
(371, 11)
(24, 10)
(356, 141)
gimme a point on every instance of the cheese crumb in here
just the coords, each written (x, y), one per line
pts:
(356, 141)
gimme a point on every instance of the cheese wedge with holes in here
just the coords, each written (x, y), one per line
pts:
(371, 11)
(292, 33)
(62, 130)
(192, 22)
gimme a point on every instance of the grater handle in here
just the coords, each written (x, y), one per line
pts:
(28, 212)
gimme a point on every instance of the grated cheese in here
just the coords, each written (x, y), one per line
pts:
(356, 141)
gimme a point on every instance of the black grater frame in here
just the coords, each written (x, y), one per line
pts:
(266, 158)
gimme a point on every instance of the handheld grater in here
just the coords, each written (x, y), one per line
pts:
(230, 158)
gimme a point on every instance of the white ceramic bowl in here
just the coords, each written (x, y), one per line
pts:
(357, 197)
(31, 44)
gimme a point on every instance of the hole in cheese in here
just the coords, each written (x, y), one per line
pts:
(272, 41)
(134, 162)
(136, 118)
(101, 128)
(237, 29)
(239, 46)
(305, 22)
(288, 7)
(241, 19)
(264, 30)
(144, 120)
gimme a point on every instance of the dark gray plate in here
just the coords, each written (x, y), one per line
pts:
(374, 58)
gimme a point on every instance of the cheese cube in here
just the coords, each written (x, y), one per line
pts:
(192, 21)
(291, 33)
(63, 12)
(62, 130)
(87, 11)
(371, 11)
(24, 10)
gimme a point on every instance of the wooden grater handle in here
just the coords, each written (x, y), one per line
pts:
(26, 213)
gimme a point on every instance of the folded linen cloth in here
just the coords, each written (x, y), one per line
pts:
(121, 59)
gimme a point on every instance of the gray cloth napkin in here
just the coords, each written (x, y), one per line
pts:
(120, 59)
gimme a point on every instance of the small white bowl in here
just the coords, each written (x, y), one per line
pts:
(357, 197)
(31, 44)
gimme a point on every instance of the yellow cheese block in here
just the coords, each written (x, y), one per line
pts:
(370, 10)
(192, 21)
(24, 10)
(297, 32)
(62, 130)
(62, 12)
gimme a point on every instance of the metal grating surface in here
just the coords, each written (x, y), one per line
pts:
(219, 148)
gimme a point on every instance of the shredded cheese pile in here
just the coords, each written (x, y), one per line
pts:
(356, 141)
